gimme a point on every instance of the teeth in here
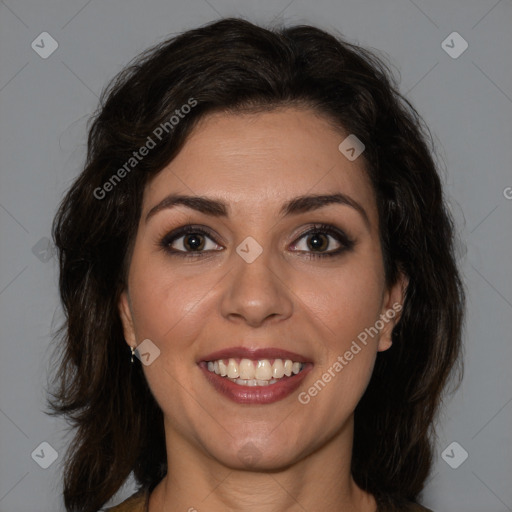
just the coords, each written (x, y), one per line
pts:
(253, 382)
(255, 373)
(246, 369)
(278, 369)
(233, 370)
(288, 366)
(263, 371)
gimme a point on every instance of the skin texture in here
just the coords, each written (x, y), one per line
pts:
(190, 307)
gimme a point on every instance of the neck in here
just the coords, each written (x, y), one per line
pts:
(320, 480)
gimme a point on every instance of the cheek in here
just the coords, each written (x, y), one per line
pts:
(169, 309)
(165, 299)
(346, 300)
(344, 305)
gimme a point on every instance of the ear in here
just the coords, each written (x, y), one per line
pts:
(391, 311)
(125, 312)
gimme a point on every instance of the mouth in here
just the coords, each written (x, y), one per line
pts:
(255, 376)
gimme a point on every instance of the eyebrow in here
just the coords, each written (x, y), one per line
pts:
(218, 208)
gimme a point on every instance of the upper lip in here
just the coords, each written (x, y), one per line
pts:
(254, 354)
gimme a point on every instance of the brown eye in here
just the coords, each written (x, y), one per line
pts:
(318, 242)
(323, 240)
(194, 242)
(189, 240)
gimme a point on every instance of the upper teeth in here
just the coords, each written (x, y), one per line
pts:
(247, 369)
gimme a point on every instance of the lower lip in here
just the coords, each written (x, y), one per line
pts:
(255, 394)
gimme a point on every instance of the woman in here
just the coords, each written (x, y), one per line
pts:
(261, 223)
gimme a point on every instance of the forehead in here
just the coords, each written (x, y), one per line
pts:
(259, 160)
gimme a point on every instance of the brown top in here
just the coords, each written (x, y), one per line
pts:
(139, 502)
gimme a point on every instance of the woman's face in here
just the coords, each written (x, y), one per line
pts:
(264, 271)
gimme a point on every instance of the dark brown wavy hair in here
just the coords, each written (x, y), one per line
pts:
(232, 66)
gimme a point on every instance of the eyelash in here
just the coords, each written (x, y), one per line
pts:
(341, 237)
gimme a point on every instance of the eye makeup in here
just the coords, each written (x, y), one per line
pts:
(194, 237)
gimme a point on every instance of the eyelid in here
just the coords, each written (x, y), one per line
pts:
(181, 231)
(346, 242)
(323, 228)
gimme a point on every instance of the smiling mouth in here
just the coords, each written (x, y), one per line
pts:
(255, 390)
(251, 376)
(260, 372)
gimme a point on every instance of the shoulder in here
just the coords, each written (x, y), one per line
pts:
(414, 507)
(135, 503)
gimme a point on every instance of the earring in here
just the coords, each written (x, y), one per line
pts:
(133, 352)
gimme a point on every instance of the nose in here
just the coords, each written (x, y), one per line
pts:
(256, 293)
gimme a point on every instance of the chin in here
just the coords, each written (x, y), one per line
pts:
(257, 455)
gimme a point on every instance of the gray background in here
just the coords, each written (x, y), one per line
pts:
(466, 101)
